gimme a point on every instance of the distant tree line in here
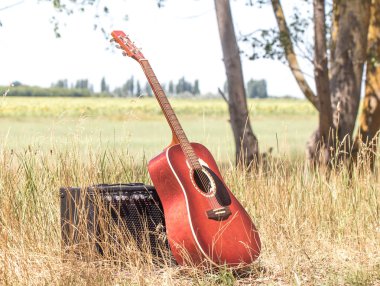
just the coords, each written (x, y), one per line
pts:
(257, 88)
(83, 88)
(131, 88)
(79, 84)
(24, 90)
(254, 88)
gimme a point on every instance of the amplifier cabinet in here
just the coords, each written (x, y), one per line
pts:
(108, 218)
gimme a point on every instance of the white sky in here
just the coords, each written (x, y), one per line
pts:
(180, 39)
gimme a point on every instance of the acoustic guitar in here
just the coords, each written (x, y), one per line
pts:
(205, 223)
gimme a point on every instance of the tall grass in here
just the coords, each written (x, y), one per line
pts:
(316, 228)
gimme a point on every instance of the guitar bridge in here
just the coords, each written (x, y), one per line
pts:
(219, 214)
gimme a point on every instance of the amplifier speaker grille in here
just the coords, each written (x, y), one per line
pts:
(106, 218)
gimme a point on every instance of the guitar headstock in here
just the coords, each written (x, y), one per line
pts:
(128, 47)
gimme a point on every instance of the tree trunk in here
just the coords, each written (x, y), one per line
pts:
(247, 148)
(347, 67)
(291, 57)
(370, 114)
(322, 82)
(334, 28)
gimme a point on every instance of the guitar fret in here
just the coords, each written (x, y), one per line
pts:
(170, 115)
(193, 159)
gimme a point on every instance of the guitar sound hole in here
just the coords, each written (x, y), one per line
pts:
(203, 181)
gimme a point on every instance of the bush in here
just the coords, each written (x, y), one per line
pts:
(24, 90)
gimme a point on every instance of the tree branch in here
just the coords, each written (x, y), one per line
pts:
(11, 5)
(223, 95)
(290, 55)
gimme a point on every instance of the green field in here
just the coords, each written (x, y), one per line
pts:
(138, 126)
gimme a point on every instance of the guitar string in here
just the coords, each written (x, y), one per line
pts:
(165, 105)
(212, 198)
(185, 147)
(150, 74)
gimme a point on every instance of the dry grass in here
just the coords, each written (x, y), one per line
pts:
(316, 229)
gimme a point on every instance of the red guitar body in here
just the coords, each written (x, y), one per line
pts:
(195, 238)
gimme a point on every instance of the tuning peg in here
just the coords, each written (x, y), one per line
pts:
(124, 54)
(118, 46)
(137, 50)
(112, 40)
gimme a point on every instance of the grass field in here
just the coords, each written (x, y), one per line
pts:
(316, 228)
(138, 125)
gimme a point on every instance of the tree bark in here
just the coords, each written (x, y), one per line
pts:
(291, 57)
(334, 28)
(370, 113)
(247, 148)
(347, 67)
(322, 82)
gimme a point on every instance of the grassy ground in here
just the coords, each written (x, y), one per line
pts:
(316, 229)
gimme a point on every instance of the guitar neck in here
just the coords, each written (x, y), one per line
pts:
(170, 116)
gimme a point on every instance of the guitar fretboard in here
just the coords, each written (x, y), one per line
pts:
(171, 117)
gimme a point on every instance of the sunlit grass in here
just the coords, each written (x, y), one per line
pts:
(315, 229)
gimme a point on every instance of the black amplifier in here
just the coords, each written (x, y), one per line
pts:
(109, 218)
